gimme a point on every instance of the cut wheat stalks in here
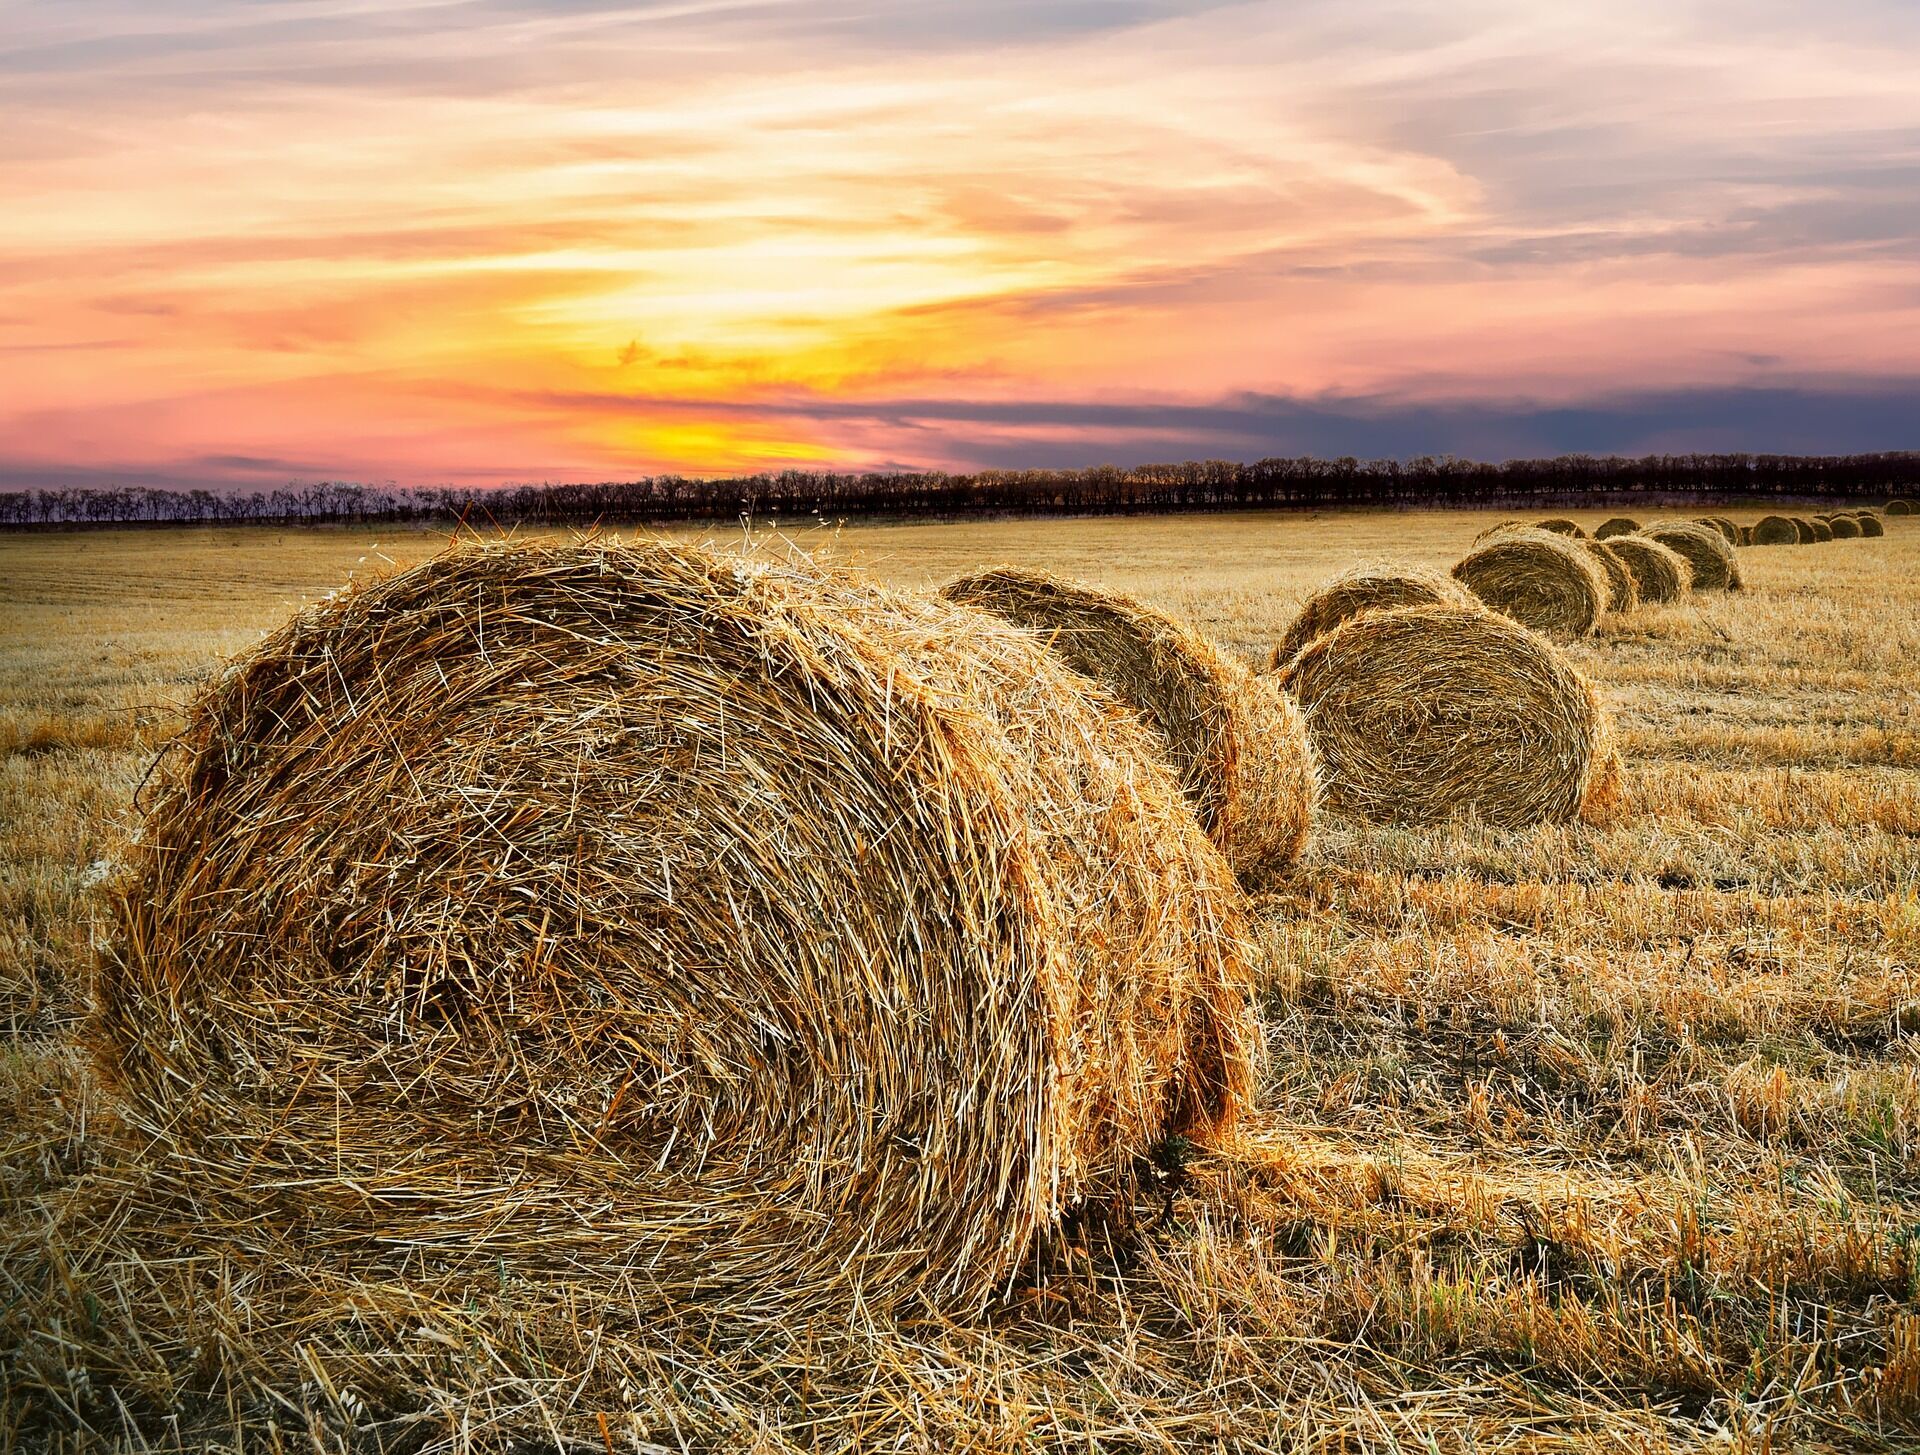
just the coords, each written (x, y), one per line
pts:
(1715, 566)
(1236, 744)
(1660, 573)
(1776, 530)
(1622, 593)
(1545, 581)
(1426, 712)
(1370, 587)
(735, 933)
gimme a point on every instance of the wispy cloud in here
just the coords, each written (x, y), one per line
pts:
(433, 239)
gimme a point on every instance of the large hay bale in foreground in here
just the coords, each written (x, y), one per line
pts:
(1622, 594)
(1425, 712)
(1236, 744)
(1372, 587)
(1870, 524)
(1619, 525)
(1844, 527)
(1715, 567)
(1660, 573)
(760, 939)
(1822, 532)
(1540, 579)
(1561, 526)
(1776, 530)
(1898, 506)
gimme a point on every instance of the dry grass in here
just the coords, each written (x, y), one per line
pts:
(1586, 1137)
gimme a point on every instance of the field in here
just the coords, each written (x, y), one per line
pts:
(1596, 1137)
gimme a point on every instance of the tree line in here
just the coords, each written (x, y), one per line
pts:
(1196, 485)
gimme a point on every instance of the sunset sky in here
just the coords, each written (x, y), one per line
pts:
(244, 242)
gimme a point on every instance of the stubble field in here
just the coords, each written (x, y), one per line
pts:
(1604, 1136)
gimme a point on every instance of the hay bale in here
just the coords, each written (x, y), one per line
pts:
(1899, 507)
(1870, 524)
(1822, 532)
(1844, 527)
(1235, 743)
(1538, 578)
(1619, 525)
(1660, 574)
(1776, 530)
(1729, 532)
(747, 935)
(1501, 527)
(1714, 565)
(1622, 594)
(1425, 712)
(1746, 535)
(1561, 526)
(1805, 529)
(1371, 587)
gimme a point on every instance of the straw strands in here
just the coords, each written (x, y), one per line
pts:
(1622, 594)
(1660, 574)
(734, 934)
(1425, 712)
(1542, 580)
(1715, 567)
(1370, 587)
(1619, 525)
(1236, 745)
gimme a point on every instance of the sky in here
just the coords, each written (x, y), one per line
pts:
(247, 242)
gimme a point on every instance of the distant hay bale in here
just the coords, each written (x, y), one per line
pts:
(1715, 567)
(758, 940)
(1821, 530)
(1805, 528)
(1844, 527)
(1236, 745)
(1660, 574)
(1501, 527)
(1370, 587)
(1746, 535)
(1622, 593)
(1540, 579)
(1776, 530)
(1561, 526)
(1619, 525)
(1425, 712)
(1870, 524)
(1729, 532)
(1899, 507)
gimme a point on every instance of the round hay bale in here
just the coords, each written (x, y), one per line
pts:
(759, 940)
(1561, 526)
(1746, 535)
(1899, 507)
(1425, 712)
(1540, 579)
(1805, 528)
(1870, 524)
(1619, 525)
(1660, 574)
(1729, 532)
(1844, 527)
(1821, 530)
(1371, 587)
(1715, 567)
(1501, 527)
(1235, 743)
(1776, 530)
(1622, 594)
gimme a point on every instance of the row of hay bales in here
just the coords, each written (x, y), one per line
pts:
(1802, 530)
(746, 933)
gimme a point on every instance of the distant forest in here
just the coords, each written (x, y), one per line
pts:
(1201, 485)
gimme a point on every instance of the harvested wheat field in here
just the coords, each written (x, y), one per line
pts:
(1595, 1135)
